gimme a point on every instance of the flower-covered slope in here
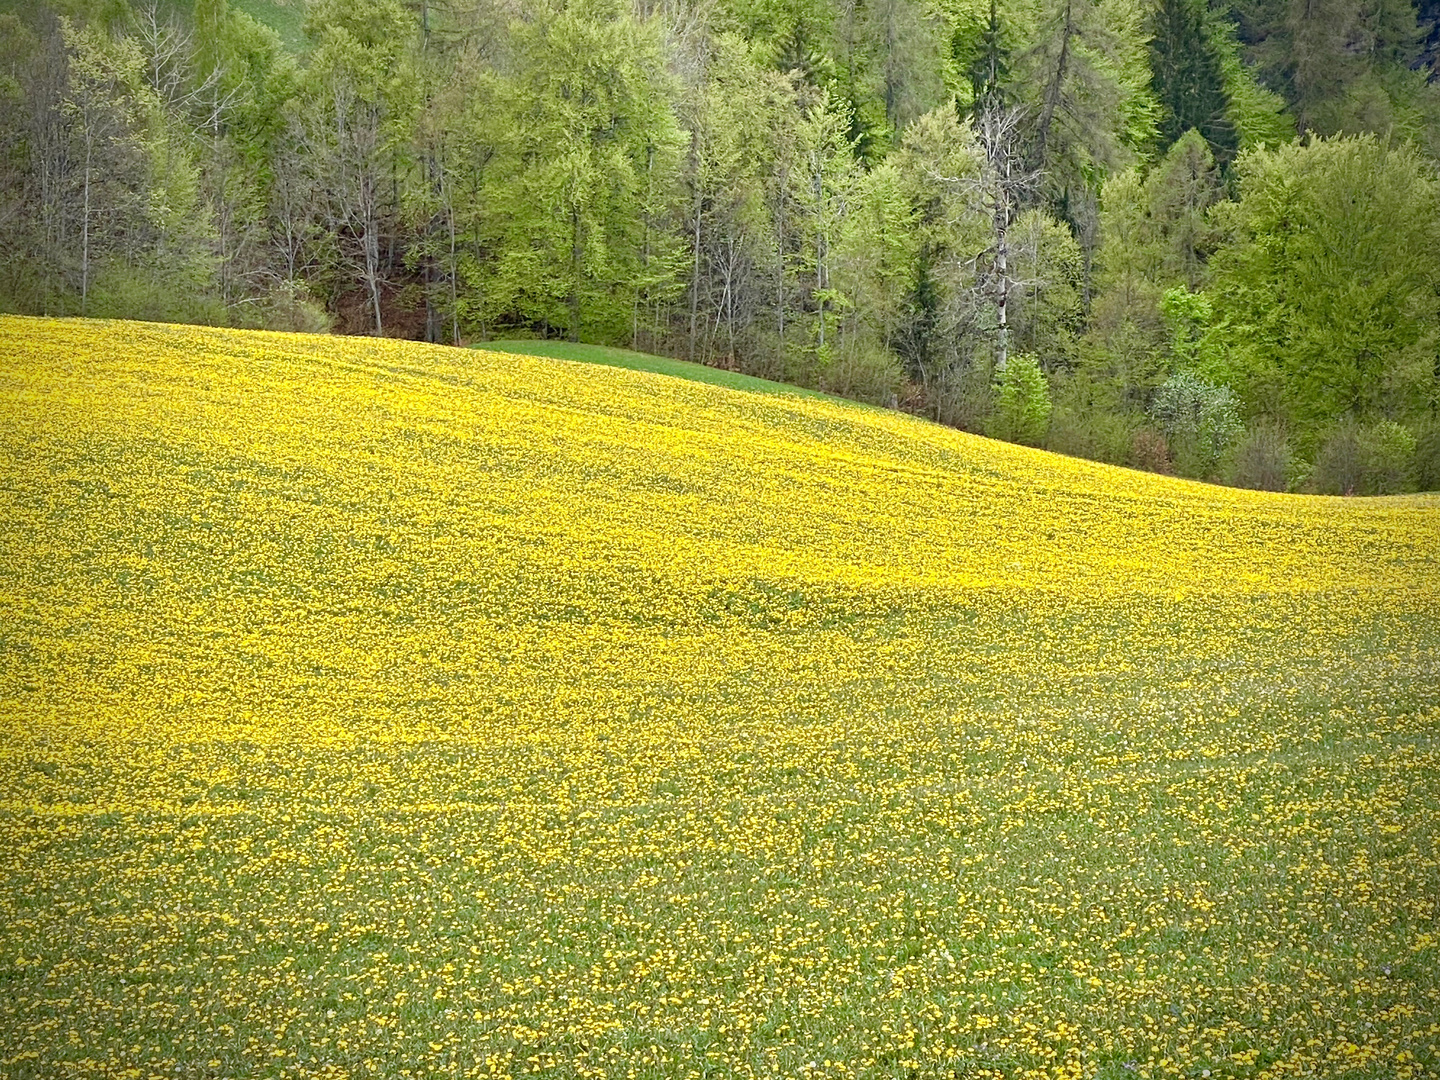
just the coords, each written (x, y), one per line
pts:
(375, 709)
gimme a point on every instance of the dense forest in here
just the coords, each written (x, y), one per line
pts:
(1178, 236)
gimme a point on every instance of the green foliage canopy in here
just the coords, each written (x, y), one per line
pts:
(1325, 292)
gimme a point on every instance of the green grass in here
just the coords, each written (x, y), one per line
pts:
(638, 361)
(285, 17)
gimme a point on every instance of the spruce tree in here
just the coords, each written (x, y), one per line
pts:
(1187, 80)
(989, 67)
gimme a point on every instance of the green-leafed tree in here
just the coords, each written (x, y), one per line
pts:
(106, 214)
(1155, 235)
(857, 78)
(1343, 65)
(789, 35)
(877, 254)
(872, 269)
(1326, 294)
(909, 48)
(104, 121)
(1047, 318)
(589, 152)
(34, 148)
(242, 80)
(1022, 403)
(354, 122)
(741, 118)
(454, 197)
(1122, 358)
(1085, 77)
(1084, 85)
(826, 176)
(1258, 114)
(888, 69)
(985, 59)
(1180, 191)
(946, 330)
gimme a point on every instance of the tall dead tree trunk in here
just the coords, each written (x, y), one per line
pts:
(1004, 184)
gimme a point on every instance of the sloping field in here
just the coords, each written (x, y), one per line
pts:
(369, 709)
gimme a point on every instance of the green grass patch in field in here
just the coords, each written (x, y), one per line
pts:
(285, 17)
(638, 361)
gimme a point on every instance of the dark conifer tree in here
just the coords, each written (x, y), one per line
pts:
(1428, 15)
(1186, 78)
(989, 67)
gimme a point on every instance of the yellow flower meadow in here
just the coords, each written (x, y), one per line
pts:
(374, 709)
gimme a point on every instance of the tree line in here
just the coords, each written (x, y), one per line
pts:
(1180, 236)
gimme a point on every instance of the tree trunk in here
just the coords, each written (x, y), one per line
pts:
(85, 226)
(454, 273)
(1051, 100)
(1002, 273)
(695, 269)
(576, 252)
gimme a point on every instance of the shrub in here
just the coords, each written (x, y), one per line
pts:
(1427, 458)
(289, 306)
(864, 374)
(1090, 421)
(1262, 460)
(151, 294)
(1115, 434)
(1200, 420)
(1098, 436)
(1374, 459)
(1338, 467)
(1150, 451)
(1300, 474)
(1022, 403)
(1388, 452)
(962, 397)
(760, 352)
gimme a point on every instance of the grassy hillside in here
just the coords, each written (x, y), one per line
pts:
(285, 17)
(375, 709)
(638, 361)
